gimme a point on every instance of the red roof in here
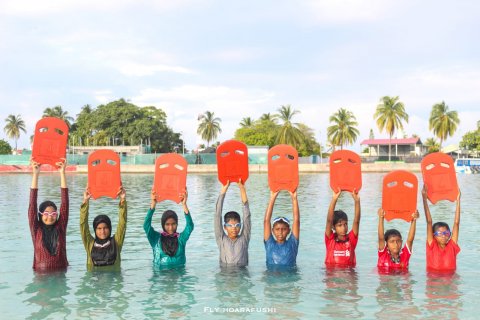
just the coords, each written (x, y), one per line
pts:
(393, 141)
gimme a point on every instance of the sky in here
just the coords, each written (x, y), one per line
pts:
(242, 59)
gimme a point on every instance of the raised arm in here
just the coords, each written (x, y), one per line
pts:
(296, 215)
(217, 221)
(356, 218)
(456, 222)
(188, 218)
(35, 174)
(428, 216)
(381, 232)
(267, 220)
(61, 168)
(65, 204)
(331, 209)
(152, 235)
(413, 228)
(247, 223)
(87, 238)
(122, 217)
(32, 206)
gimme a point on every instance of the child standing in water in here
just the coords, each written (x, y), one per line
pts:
(339, 241)
(442, 247)
(169, 245)
(233, 246)
(103, 250)
(391, 255)
(48, 227)
(281, 251)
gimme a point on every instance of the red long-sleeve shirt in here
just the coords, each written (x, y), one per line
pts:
(42, 259)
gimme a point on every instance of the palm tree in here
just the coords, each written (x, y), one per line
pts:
(246, 122)
(15, 124)
(289, 132)
(432, 145)
(443, 122)
(269, 117)
(389, 115)
(58, 112)
(343, 130)
(209, 126)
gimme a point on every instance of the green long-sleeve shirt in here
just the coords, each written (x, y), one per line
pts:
(88, 239)
(160, 258)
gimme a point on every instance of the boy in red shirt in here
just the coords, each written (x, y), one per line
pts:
(442, 247)
(391, 255)
(339, 242)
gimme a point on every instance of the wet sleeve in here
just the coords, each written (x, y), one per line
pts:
(84, 231)
(185, 235)
(64, 208)
(247, 223)
(152, 235)
(32, 212)
(218, 225)
(122, 224)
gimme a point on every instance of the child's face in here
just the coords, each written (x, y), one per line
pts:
(47, 217)
(394, 245)
(170, 226)
(341, 228)
(102, 231)
(280, 231)
(442, 235)
(232, 228)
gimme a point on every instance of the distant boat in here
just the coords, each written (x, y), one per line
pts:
(467, 165)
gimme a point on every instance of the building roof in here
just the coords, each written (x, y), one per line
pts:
(394, 141)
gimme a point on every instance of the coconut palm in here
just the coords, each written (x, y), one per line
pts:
(389, 116)
(209, 126)
(443, 122)
(432, 145)
(269, 117)
(58, 112)
(15, 124)
(289, 132)
(342, 131)
(246, 122)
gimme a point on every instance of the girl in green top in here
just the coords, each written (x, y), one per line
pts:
(169, 245)
(103, 251)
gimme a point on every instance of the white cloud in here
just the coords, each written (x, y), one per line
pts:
(129, 68)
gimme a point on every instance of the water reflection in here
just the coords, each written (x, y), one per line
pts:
(50, 291)
(171, 294)
(341, 293)
(395, 295)
(282, 292)
(101, 294)
(443, 296)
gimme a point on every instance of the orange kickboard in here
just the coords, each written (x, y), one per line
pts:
(50, 141)
(345, 171)
(399, 195)
(282, 168)
(104, 174)
(439, 177)
(232, 161)
(170, 180)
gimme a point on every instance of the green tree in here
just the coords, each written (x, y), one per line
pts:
(389, 116)
(5, 147)
(289, 132)
(443, 122)
(432, 145)
(471, 140)
(209, 127)
(14, 126)
(309, 145)
(371, 136)
(269, 117)
(343, 131)
(246, 122)
(261, 133)
(58, 112)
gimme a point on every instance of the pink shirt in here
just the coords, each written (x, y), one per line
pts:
(341, 253)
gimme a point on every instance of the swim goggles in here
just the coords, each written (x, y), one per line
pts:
(277, 219)
(445, 233)
(49, 214)
(236, 225)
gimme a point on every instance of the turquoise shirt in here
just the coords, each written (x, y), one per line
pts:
(160, 258)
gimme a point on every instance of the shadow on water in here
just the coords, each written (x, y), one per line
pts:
(49, 293)
(101, 294)
(341, 294)
(171, 294)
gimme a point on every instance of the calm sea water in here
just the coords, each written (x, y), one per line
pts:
(202, 289)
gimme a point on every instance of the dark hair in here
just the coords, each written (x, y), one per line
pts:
(339, 215)
(231, 215)
(102, 219)
(440, 224)
(167, 215)
(391, 233)
(45, 204)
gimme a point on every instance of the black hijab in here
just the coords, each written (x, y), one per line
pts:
(169, 242)
(49, 232)
(104, 251)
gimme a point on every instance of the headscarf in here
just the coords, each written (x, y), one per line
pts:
(169, 241)
(49, 232)
(104, 251)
